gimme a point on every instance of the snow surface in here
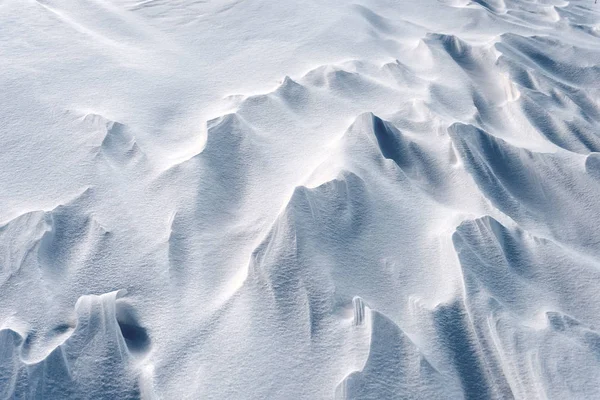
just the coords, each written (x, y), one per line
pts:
(258, 199)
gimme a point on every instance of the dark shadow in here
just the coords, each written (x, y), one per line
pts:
(136, 337)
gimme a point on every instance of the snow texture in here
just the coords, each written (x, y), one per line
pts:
(258, 199)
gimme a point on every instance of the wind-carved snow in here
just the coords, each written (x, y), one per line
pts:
(292, 200)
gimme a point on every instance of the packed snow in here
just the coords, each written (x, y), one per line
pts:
(259, 199)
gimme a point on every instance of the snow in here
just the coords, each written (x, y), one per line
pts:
(387, 199)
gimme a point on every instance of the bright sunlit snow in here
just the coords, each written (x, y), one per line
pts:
(320, 199)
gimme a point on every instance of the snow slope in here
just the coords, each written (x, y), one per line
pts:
(257, 199)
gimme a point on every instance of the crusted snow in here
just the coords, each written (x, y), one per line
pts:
(383, 199)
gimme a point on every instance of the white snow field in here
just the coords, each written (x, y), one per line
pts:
(312, 199)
